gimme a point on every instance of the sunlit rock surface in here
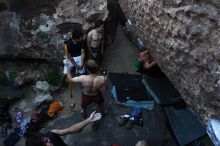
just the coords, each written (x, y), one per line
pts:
(34, 29)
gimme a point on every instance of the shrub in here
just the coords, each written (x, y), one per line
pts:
(3, 79)
(52, 77)
(7, 79)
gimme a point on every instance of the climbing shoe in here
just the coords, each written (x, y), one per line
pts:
(123, 119)
(130, 123)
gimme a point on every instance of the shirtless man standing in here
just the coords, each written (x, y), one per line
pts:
(95, 42)
(92, 84)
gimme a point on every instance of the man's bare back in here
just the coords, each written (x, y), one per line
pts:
(92, 84)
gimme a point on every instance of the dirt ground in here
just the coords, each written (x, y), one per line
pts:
(117, 58)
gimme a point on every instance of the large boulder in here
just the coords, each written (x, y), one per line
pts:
(34, 29)
(183, 37)
(26, 77)
(43, 95)
(8, 96)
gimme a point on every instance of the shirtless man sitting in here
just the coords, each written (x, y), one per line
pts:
(146, 60)
(92, 84)
(95, 42)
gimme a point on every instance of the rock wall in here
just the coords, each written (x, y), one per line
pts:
(183, 37)
(31, 29)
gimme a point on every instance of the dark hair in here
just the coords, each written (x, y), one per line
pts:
(99, 23)
(92, 66)
(76, 34)
(35, 139)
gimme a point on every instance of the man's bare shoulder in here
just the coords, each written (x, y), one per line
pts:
(92, 32)
(79, 78)
(101, 78)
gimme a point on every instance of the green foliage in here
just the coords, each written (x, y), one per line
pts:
(52, 77)
(12, 74)
(34, 66)
(26, 91)
(3, 79)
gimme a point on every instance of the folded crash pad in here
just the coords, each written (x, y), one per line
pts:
(185, 126)
(160, 88)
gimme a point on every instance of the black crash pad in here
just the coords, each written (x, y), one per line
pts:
(128, 85)
(160, 88)
(185, 126)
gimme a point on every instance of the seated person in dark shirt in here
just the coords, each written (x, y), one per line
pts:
(74, 49)
(52, 138)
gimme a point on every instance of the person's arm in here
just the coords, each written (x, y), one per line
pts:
(76, 127)
(105, 83)
(148, 65)
(78, 79)
(89, 39)
(82, 56)
(74, 62)
(102, 45)
(146, 51)
(68, 56)
(65, 51)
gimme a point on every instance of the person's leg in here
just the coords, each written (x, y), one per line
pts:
(99, 100)
(79, 62)
(98, 59)
(100, 108)
(64, 74)
(96, 124)
(84, 104)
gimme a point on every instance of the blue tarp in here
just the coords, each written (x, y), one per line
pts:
(148, 105)
(128, 90)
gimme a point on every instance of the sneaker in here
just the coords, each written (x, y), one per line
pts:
(130, 123)
(123, 119)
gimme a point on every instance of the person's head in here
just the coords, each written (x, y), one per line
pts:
(91, 66)
(37, 139)
(142, 143)
(144, 56)
(76, 35)
(99, 25)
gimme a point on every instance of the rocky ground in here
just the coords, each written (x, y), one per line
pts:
(117, 58)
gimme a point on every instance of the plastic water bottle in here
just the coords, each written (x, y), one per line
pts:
(140, 44)
(18, 118)
(141, 122)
